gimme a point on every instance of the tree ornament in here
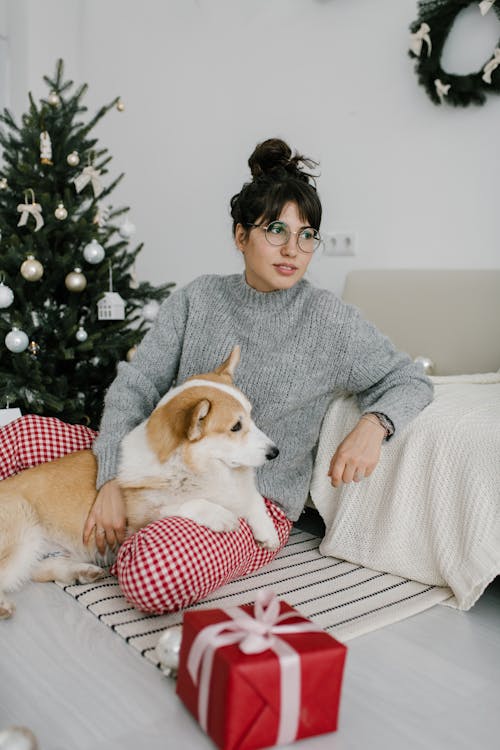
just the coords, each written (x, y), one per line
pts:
(131, 353)
(31, 269)
(89, 174)
(53, 99)
(75, 281)
(127, 229)
(33, 349)
(150, 310)
(120, 106)
(81, 335)
(93, 252)
(429, 34)
(3, 183)
(16, 341)
(101, 216)
(60, 212)
(45, 148)
(111, 306)
(168, 650)
(30, 209)
(73, 159)
(6, 295)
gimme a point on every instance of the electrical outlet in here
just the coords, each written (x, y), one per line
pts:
(339, 244)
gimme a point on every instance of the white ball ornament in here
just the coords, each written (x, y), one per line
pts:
(150, 310)
(75, 281)
(16, 341)
(53, 99)
(73, 159)
(126, 230)
(131, 353)
(6, 295)
(60, 212)
(81, 335)
(93, 252)
(31, 269)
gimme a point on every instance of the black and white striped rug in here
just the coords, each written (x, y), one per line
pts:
(345, 600)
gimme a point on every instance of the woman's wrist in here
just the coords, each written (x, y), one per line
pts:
(372, 418)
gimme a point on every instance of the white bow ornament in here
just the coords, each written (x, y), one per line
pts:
(441, 89)
(89, 174)
(485, 5)
(419, 37)
(491, 65)
(30, 209)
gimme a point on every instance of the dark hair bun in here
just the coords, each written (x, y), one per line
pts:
(274, 154)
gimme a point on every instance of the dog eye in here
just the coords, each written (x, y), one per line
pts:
(236, 427)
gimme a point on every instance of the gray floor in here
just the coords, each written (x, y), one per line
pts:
(431, 682)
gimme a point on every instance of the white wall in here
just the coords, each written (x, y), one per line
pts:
(204, 80)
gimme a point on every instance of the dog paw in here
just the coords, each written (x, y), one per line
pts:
(7, 608)
(222, 520)
(272, 542)
(89, 574)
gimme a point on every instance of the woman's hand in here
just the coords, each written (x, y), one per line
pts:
(107, 517)
(358, 454)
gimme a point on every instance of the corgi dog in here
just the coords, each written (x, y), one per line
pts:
(194, 457)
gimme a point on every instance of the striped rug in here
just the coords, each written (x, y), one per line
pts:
(345, 600)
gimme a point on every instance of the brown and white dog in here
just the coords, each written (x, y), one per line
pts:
(193, 457)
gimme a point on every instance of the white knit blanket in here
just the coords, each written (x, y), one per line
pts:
(431, 510)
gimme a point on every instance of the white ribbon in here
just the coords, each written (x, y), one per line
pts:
(419, 37)
(485, 5)
(441, 89)
(253, 635)
(89, 174)
(35, 210)
(491, 65)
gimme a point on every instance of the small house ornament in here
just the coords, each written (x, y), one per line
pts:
(111, 306)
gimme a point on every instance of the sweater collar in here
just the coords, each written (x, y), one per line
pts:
(274, 301)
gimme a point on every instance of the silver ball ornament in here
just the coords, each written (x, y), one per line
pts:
(81, 335)
(75, 281)
(126, 230)
(16, 341)
(73, 159)
(120, 106)
(6, 295)
(31, 269)
(168, 650)
(150, 310)
(93, 252)
(427, 364)
(60, 212)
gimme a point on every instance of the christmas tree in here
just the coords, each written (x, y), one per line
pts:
(70, 308)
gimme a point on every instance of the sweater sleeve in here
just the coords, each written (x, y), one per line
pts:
(384, 379)
(139, 385)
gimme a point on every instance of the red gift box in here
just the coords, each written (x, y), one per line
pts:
(257, 676)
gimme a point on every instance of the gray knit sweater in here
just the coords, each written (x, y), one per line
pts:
(299, 347)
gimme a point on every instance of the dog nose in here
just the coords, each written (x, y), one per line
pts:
(272, 453)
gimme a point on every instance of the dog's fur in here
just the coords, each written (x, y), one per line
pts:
(193, 457)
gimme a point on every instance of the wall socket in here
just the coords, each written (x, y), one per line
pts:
(339, 243)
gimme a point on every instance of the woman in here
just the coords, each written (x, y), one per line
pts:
(299, 345)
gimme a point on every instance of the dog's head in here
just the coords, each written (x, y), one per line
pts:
(211, 419)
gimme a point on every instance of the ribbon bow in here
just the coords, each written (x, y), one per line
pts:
(89, 174)
(32, 208)
(441, 89)
(253, 635)
(419, 37)
(485, 5)
(491, 65)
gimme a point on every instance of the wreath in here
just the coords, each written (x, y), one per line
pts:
(429, 34)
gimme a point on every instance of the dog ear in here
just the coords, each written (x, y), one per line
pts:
(199, 413)
(229, 366)
(161, 433)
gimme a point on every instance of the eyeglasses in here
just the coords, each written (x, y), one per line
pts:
(278, 233)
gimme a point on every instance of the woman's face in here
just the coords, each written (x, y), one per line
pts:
(272, 267)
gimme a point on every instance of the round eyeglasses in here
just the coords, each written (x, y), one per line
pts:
(279, 233)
